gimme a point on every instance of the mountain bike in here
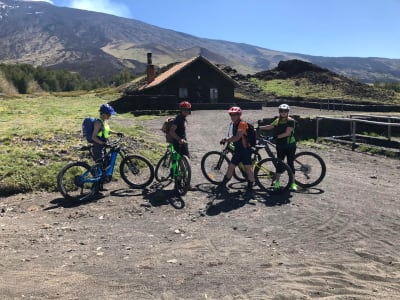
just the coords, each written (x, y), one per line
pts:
(214, 165)
(175, 167)
(80, 181)
(310, 168)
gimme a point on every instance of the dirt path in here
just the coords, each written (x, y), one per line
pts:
(337, 241)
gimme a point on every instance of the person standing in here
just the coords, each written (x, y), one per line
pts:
(283, 132)
(242, 152)
(178, 129)
(101, 132)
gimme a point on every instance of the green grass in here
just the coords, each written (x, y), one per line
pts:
(307, 90)
(40, 134)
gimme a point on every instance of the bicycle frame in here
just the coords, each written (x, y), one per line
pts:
(175, 159)
(97, 174)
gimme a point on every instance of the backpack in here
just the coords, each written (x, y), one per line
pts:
(251, 135)
(87, 128)
(166, 127)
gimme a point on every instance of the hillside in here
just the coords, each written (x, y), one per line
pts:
(300, 79)
(100, 45)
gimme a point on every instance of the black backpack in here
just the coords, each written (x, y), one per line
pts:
(251, 135)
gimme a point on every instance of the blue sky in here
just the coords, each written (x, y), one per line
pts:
(358, 28)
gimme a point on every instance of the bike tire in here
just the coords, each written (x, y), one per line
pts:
(137, 171)
(214, 165)
(69, 182)
(310, 169)
(184, 176)
(265, 175)
(163, 168)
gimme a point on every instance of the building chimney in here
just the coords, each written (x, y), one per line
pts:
(150, 69)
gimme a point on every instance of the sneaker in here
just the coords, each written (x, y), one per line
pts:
(277, 185)
(293, 187)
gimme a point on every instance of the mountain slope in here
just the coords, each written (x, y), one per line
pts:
(100, 45)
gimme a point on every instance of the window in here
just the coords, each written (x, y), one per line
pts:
(183, 93)
(213, 95)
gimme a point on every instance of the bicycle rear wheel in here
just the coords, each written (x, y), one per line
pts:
(137, 171)
(310, 169)
(214, 165)
(73, 181)
(163, 168)
(183, 176)
(265, 175)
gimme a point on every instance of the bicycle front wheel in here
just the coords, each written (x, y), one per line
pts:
(137, 171)
(265, 173)
(310, 169)
(75, 181)
(183, 176)
(163, 168)
(214, 165)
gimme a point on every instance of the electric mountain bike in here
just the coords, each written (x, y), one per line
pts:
(80, 181)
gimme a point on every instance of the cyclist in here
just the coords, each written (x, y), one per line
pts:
(242, 152)
(178, 129)
(283, 132)
(101, 132)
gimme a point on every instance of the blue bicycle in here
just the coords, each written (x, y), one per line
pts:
(80, 181)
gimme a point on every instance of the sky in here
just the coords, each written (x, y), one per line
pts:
(334, 28)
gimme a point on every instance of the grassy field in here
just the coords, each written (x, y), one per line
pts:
(40, 134)
(307, 90)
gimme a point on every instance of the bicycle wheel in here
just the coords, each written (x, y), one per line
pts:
(137, 171)
(163, 168)
(310, 169)
(214, 166)
(183, 177)
(75, 181)
(265, 175)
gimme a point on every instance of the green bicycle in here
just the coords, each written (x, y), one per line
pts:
(174, 167)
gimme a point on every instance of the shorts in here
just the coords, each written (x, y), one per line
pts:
(242, 155)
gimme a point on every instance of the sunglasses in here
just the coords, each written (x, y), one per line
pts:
(234, 114)
(283, 110)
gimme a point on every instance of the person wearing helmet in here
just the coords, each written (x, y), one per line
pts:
(242, 152)
(283, 132)
(178, 128)
(101, 132)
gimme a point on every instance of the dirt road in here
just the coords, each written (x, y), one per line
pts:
(339, 240)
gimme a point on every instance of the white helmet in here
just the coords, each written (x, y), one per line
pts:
(284, 107)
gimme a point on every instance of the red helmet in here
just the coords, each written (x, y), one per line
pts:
(185, 105)
(235, 110)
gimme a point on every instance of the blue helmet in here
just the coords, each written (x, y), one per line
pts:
(107, 109)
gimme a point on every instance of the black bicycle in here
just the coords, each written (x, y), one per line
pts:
(214, 165)
(80, 181)
(310, 168)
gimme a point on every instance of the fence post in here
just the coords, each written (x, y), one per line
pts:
(389, 129)
(317, 133)
(353, 135)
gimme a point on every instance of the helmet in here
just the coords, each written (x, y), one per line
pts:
(284, 107)
(185, 105)
(107, 109)
(235, 110)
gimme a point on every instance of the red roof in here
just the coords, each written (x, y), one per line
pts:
(179, 67)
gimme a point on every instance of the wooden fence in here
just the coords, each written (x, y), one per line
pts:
(356, 118)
